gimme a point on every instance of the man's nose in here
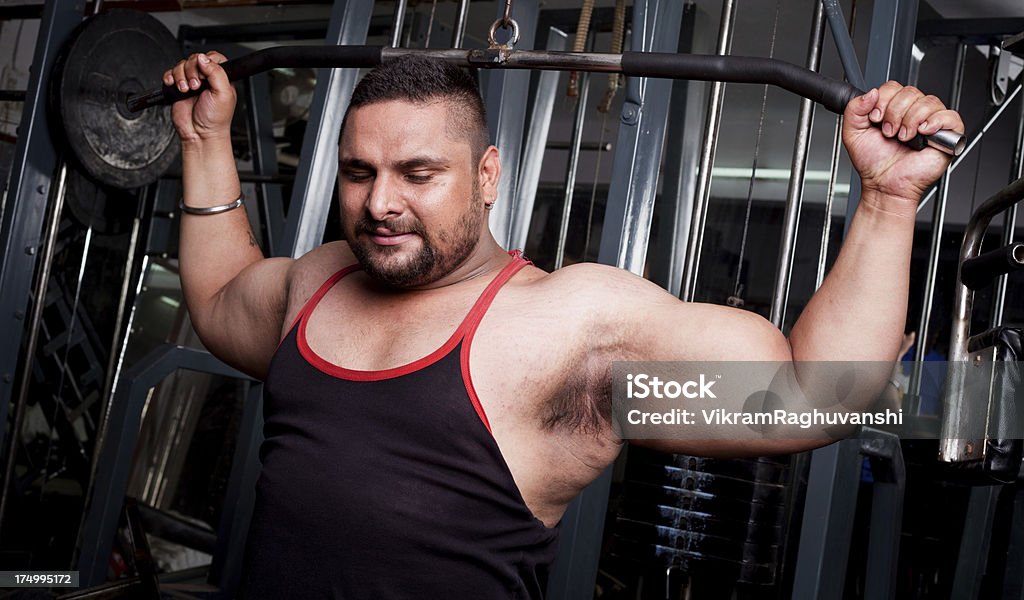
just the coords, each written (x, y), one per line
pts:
(384, 200)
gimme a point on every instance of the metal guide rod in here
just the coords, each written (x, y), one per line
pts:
(42, 282)
(826, 230)
(938, 223)
(398, 22)
(844, 43)
(795, 193)
(459, 30)
(832, 94)
(1010, 220)
(707, 159)
(574, 156)
(958, 420)
(534, 146)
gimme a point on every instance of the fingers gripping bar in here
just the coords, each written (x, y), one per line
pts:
(832, 94)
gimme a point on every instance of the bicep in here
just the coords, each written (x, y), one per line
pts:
(243, 323)
(647, 323)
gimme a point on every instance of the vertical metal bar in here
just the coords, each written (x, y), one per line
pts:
(832, 487)
(461, 17)
(844, 43)
(656, 26)
(974, 544)
(938, 224)
(21, 225)
(1013, 577)
(103, 507)
(536, 140)
(682, 155)
(506, 101)
(573, 166)
(639, 145)
(826, 230)
(398, 22)
(707, 160)
(25, 378)
(798, 169)
(314, 181)
(890, 53)
(1009, 219)
(886, 518)
(239, 499)
(264, 160)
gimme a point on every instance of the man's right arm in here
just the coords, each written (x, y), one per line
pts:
(235, 297)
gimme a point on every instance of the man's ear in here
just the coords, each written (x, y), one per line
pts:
(489, 173)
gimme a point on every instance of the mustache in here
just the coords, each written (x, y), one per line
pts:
(398, 225)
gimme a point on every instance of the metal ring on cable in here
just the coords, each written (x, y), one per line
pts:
(503, 23)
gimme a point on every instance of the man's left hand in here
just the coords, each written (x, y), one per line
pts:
(887, 166)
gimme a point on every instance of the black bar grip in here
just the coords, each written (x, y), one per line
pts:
(979, 271)
(264, 60)
(834, 95)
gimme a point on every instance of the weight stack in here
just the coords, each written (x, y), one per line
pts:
(714, 523)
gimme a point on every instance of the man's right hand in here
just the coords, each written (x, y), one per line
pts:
(208, 115)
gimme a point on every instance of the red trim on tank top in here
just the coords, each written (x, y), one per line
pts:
(468, 325)
(473, 319)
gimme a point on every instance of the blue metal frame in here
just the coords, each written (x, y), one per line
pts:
(314, 181)
(115, 457)
(35, 160)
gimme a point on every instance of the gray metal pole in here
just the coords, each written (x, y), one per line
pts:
(682, 155)
(398, 22)
(25, 378)
(570, 173)
(314, 181)
(844, 43)
(826, 230)
(938, 223)
(459, 31)
(1009, 220)
(707, 159)
(536, 142)
(31, 175)
(795, 194)
(506, 101)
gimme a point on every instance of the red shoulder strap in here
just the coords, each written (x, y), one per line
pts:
(472, 321)
(322, 291)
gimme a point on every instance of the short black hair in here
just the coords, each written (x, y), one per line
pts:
(422, 80)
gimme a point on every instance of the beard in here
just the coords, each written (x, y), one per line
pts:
(439, 253)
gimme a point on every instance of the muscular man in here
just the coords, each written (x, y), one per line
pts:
(432, 403)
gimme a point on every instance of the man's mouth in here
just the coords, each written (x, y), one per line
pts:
(385, 237)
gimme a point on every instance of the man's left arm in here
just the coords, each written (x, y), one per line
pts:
(859, 312)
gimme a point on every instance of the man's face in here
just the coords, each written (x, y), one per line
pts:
(412, 197)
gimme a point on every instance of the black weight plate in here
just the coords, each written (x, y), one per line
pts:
(677, 518)
(740, 489)
(698, 543)
(109, 57)
(717, 506)
(745, 572)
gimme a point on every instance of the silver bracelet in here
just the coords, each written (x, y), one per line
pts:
(210, 210)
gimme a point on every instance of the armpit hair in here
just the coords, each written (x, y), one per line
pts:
(584, 404)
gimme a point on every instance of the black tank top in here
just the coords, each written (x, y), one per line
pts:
(387, 484)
